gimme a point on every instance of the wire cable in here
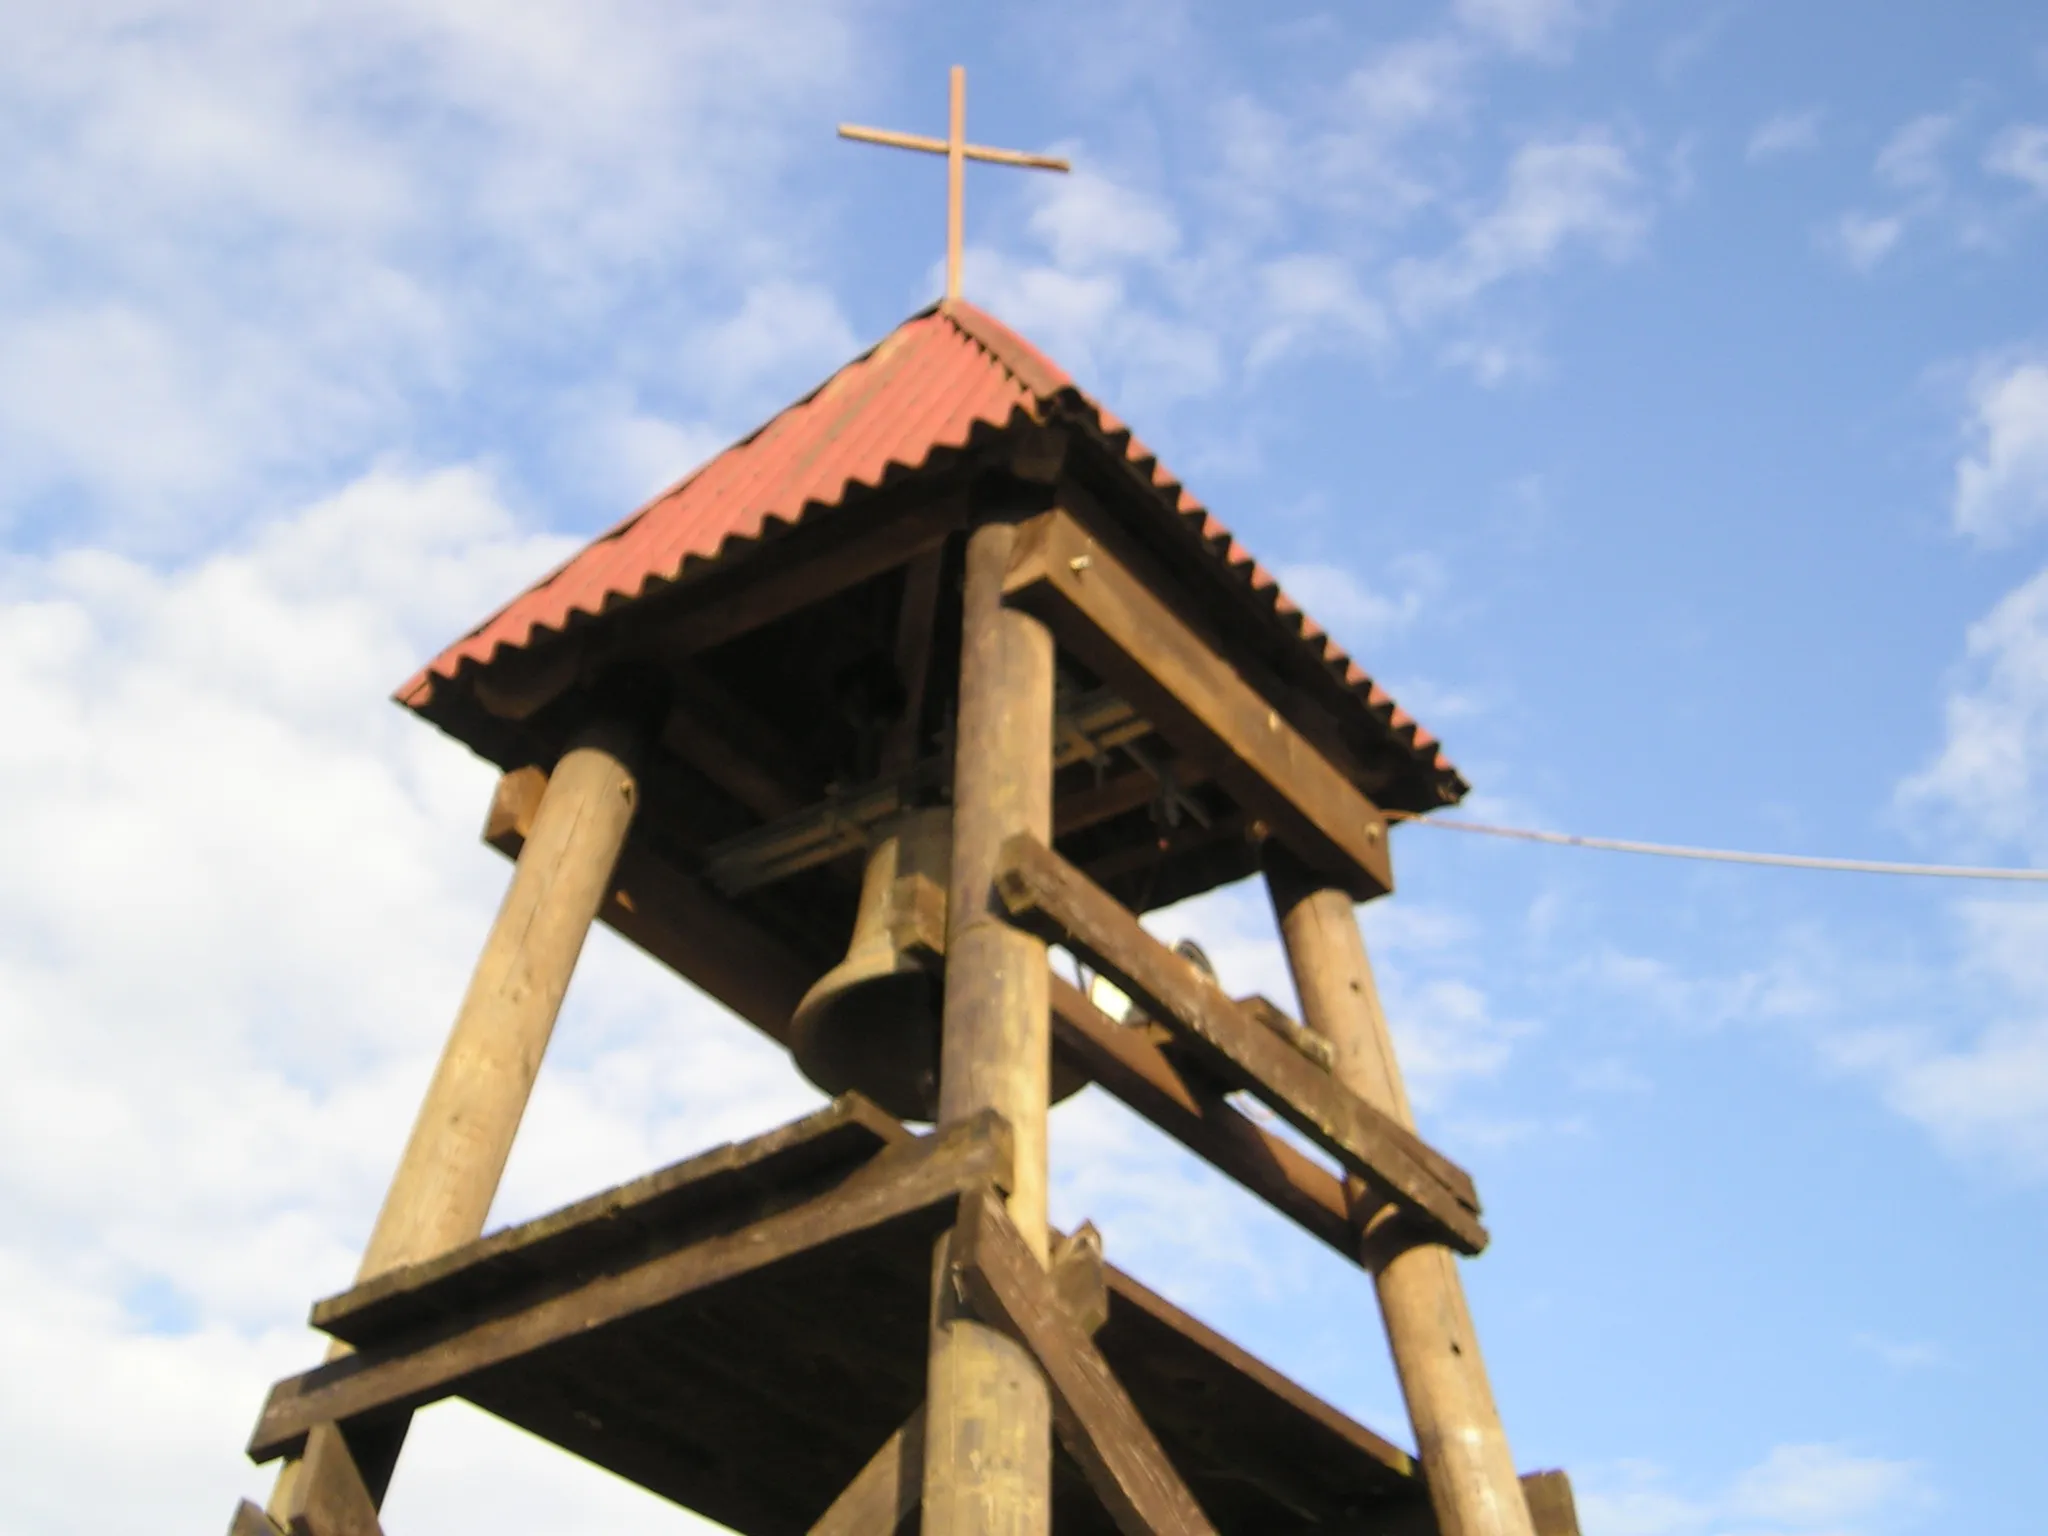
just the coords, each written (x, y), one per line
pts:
(1726, 855)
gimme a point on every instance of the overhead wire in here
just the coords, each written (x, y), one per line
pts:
(1725, 855)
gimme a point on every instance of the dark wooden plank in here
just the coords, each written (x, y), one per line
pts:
(677, 919)
(1045, 893)
(327, 1496)
(902, 1181)
(886, 1492)
(251, 1521)
(732, 746)
(1097, 1422)
(1102, 614)
(1130, 1066)
(772, 584)
(1245, 1390)
(759, 1176)
(1263, 1010)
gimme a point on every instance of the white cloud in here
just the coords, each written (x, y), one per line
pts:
(241, 896)
(1559, 193)
(1539, 27)
(1785, 133)
(1910, 160)
(1310, 303)
(1796, 1490)
(2021, 152)
(1355, 613)
(2002, 478)
(1089, 221)
(241, 247)
(1866, 239)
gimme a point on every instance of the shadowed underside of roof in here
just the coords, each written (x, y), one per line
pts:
(948, 377)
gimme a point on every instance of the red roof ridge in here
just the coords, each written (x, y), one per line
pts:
(926, 388)
(1025, 363)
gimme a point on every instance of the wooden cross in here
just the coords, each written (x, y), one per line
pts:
(958, 152)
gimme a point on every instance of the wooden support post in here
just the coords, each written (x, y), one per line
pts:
(1458, 1435)
(988, 1432)
(441, 1194)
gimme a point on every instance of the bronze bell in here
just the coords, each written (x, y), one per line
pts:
(871, 1024)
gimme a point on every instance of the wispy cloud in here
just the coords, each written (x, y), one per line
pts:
(1558, 194)
(2020, 152)
(2001, 480)
(1785, 133)
(1797, 1490)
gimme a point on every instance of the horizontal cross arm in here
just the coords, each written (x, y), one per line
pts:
(933, 146)
(1047, 895)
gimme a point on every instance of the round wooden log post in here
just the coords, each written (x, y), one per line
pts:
(441, 1194)
(988, 1421)
(1458, 1435)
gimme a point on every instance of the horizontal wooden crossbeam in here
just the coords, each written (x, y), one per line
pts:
(904, 1179)
(1102, 614)
(1127, 1065)
(1046, 894)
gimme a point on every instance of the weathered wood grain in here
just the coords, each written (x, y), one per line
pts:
(901, 1181)
(1044, 892)
(1127, 1064)
(1097, 1422)
(1099, 611)
(677, 919)
(886, 1493)
(738, 1182)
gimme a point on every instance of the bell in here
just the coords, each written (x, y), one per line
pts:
(871, 1023)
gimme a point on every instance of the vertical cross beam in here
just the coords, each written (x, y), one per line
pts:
(988, 1430)
(441, 1194)
(1458, 1434)
(958, 152)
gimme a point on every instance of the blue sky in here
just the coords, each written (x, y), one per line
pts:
(1655, 397)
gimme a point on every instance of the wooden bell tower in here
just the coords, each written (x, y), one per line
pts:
(937, 669)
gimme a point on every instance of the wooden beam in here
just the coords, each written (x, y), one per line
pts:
(772, 584)
(249, 1520)
(1048, 895)
(988, 1437)
(677, 919)
(916, 620)
(886, 1492)
(1097, 1422)
(1099, 611)
(732, 746)
(761, 1176)
(1552, 1509)
(1129, 1066)
(935, 1169)
(327, 1496)
(1303, 1039)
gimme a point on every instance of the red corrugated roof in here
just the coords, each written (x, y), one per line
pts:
(923, 390)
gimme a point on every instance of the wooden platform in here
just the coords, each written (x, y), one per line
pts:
(741, 1331)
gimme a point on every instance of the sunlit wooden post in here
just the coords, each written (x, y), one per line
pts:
(1458, 1434)
(448, 1175)
(988, 1444)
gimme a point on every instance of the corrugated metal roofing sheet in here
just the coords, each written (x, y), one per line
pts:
(922, 390)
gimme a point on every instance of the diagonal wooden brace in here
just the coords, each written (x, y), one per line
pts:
(1097, 1422)
(1047, 895)
(887, 1491)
